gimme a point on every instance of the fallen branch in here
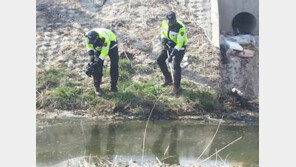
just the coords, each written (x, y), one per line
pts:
(222, 149)
(210, 141)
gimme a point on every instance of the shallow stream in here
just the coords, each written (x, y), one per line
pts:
(172, 142)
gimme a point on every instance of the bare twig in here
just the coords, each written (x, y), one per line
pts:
(221, 158)
(158, 161)
(222, 149)
(216, 157)
(126, 56)
(166, 150)
(210, 141)
(113, 164)
(226, 157)
(144, 138)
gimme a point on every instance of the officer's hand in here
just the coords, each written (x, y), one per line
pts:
(174, 52)
(99, 62)
(89, 70)
(88, 73)
(91, 59)
(164, 41)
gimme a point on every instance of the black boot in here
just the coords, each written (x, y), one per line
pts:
(167, 82)
(175, 90)
(114, 89)
(99, 91)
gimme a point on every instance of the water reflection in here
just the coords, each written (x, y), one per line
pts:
(168, 155)
(111, 141)
(93, 147)
(171, 142)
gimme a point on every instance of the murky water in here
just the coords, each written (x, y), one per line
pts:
(173, 142)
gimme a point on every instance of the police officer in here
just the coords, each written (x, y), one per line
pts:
(101, 42)
(174, 40)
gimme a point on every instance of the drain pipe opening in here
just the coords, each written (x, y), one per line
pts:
(243, 23)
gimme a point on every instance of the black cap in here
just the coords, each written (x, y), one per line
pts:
(92, 37)
(171, 17)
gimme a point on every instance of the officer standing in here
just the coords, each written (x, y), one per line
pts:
(101, 42)
(174, 41)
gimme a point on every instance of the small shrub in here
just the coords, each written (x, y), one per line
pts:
(208, 100)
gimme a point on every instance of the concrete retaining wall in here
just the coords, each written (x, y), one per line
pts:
(228, 9)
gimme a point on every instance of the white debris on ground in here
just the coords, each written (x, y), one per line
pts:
(239, 45)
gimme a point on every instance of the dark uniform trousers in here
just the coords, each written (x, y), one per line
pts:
(114, 58)
(177, 67)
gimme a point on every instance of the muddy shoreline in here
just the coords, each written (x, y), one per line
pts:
(239, 119)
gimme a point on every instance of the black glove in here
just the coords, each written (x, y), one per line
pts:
(91, 52)
(89, 69)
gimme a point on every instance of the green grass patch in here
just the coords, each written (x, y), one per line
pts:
(125, 65)
(67, 98)
(75, 61)
(147, 90)
(124, 76)
(135, 4)
(72, 84)
(50, 78)
(106, 72)
(194, 59)
(124, 97)
(188, 84)
(62, 89)
(206, 99)
(134, 91)
(140, 69)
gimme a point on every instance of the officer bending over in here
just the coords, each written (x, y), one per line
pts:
(101, 42)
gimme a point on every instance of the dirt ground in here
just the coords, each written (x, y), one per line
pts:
(62, 24)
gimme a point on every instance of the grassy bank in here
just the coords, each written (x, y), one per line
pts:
(59, 88)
